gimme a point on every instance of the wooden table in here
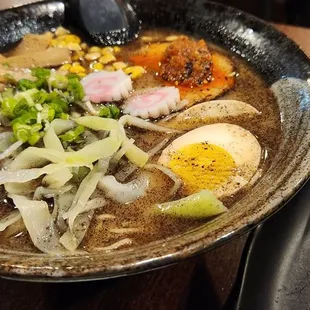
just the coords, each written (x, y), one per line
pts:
(204, 280)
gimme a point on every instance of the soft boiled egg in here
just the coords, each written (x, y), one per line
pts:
(220, 157)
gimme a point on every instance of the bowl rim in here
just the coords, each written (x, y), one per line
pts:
(41, 267)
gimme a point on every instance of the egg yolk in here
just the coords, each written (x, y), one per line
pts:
(202, 166)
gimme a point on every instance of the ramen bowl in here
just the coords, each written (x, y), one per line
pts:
(286, 70)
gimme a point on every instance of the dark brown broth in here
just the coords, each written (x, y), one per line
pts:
(251, 88)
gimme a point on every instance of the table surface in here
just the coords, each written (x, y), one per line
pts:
(204, 280)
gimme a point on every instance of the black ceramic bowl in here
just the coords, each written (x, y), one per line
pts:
(272, 55)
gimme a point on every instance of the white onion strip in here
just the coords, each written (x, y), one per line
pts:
(82, 196)
(10, 219)
(41, 192)
(123, 193)
(95, 203)
(39, 224)
(138, 122)
(85, 190)
(5, 140)
(91, 109)
(9, 151)
(71, 239)
(177, 181)
(126, 145)
(125, 172)
(158, 147)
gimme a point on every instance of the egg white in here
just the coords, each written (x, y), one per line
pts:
(235, 140)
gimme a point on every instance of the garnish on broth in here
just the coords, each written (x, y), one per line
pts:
(219, 76)
(187, 62)
(83, 133)
(154, 102)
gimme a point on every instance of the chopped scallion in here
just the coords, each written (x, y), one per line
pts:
(72, 135)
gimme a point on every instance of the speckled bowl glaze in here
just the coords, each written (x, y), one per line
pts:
(283, 65)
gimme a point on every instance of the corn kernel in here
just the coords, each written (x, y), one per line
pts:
(171, 38)
(107, 49)
(92, 56)
(65, 67)
(61, 31)
(135, 71)
(109, 68)
(77, 55)
(84, 46)
(97, 66)
(71, 38)
(116, 49)
(74, 47)
(62, 37)
(54, 42)
(77, 68)
(62, 43)
(119, 65)
(106, 58)
(94, 49)
(81, 74)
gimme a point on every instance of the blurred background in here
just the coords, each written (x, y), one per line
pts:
(295, 12)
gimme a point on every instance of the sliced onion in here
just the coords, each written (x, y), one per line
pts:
(10, 219)
(138, 122)
(9, 151)
(126, 145)
(125, 172)
(58, 178)
(91, 108)
(133, 153)
(5, 140)
(86, 189)
(124, 193)
(95, 203)
(137, 156)
(90, 137)
(26, 175)
(79, 203)
(43, 192)
(62, 204)
(51, 141)
(97, 123)
(60, 125)
(72, 238)
(20, 188)
(35, 157)
(177, 181)
(158, 147)
(39, 224)
(94, 151)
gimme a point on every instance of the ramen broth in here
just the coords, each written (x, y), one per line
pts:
(114, 222)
